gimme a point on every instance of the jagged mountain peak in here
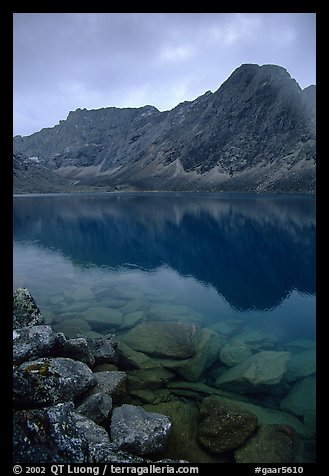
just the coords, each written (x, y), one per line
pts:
(256, 132)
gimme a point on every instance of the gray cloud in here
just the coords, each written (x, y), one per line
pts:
(63, 61)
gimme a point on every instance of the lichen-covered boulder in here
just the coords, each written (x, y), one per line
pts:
(35, 341)
(92, 432)
(112, 383)
(77, 349)
(139, 432)
(48, 435)
(48, 381)
(104, 348)
(96, 407)
(109, 452)
(25, 310)
(272, 444)
(224, 426)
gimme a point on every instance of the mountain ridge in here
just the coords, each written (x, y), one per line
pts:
(255, 133)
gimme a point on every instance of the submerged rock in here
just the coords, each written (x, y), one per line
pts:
(301, 364)
(132, 359)
(131, 319)
(224, 426)
(228, 328)
(139, 432)
(301, 401)
(102, 317)
(149, 379)
(173, 312)
(182, 441)
(48, 435)
(25, 310)
(72, 328)
(272, 444)
(258, 373)
(48, 381)
(207, 348)
(163, 339)
(269, 416)
(256, 340)
(233, 353)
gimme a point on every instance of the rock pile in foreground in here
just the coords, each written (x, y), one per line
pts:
(62, 408)
(94, 399)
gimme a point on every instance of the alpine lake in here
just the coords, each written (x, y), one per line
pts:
(212, 297)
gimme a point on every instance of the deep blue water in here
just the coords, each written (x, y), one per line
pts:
(245, 256)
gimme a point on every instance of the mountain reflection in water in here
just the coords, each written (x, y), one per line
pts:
(253, 249)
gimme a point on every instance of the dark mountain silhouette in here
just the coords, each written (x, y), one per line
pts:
(255, 133)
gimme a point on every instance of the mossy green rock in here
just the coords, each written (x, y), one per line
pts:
(301, 400)
(224, 426)
(269, 416)
(182, 442)
(272, 444)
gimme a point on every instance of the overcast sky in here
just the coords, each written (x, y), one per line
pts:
(63, 61)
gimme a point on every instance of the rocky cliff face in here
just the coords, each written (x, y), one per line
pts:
(255, 133)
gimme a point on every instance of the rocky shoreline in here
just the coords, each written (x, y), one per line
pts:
(76, 402)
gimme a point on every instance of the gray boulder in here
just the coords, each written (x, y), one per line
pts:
(77, 349)
(112, 383)
(48, 435)
(104, 348)
(272, 444)
(96, 407)
(25, 310)
(139, 432)
(224, 426)
(259, 372)
(35, 341)
(109, 453)
(48, 381)
(92, 432)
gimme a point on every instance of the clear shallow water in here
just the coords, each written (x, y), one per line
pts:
(201, 258)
